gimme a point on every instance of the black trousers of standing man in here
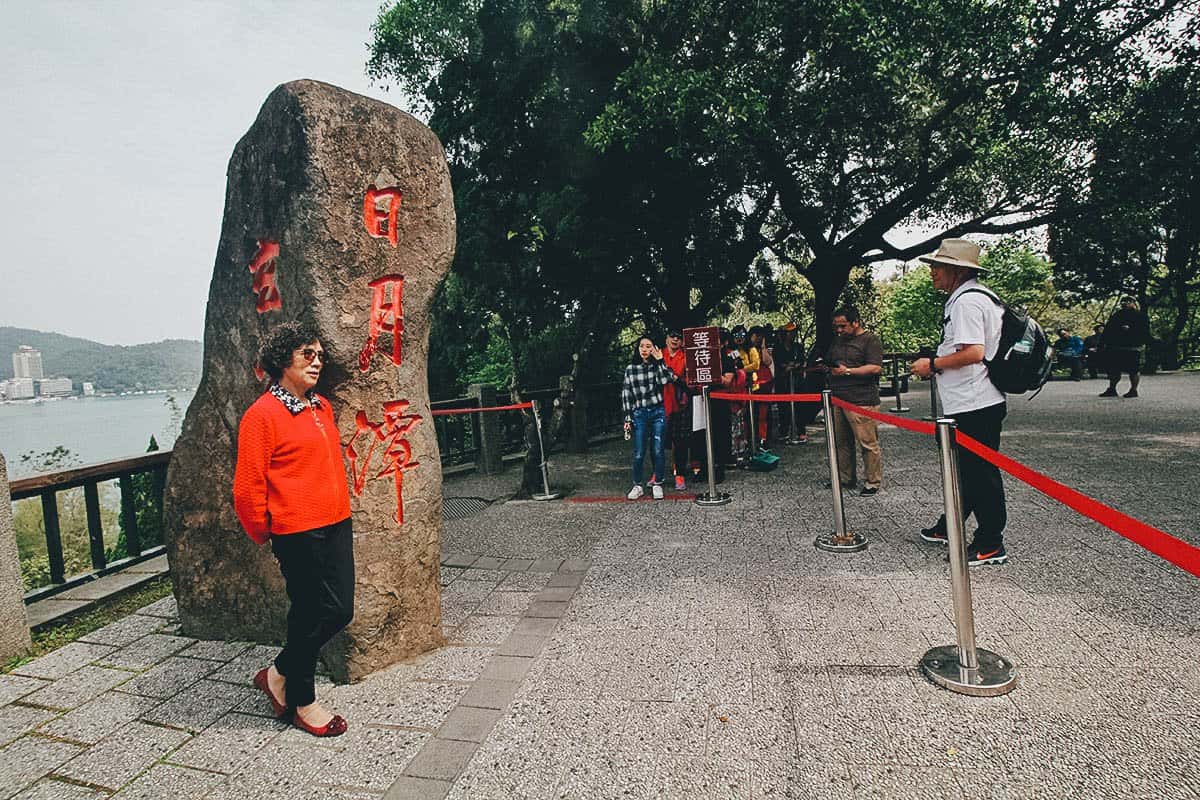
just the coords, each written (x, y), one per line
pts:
(980, 486)
(318, 569)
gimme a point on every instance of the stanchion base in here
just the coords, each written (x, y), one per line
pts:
(547, 496)
(832, 543)
(793, 440)
(718, 499)
(996, 675)
(928, 418)
(901, 410)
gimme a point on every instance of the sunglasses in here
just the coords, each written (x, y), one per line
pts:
(311, 354)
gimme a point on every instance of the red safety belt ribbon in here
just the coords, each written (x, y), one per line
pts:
(899, 422)
(446, 412)
(767, 397)
(1161, 543)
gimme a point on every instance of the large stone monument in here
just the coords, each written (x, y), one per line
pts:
(338, 211)
(14, 625)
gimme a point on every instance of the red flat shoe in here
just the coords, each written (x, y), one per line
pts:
(335, 727)
(260, 681)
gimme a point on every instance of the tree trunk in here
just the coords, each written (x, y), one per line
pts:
(828, 276)
(531, 476)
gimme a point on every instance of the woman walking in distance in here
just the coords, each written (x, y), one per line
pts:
(642, 402)
(289, 488)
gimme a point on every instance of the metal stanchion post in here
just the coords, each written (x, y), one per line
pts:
(899, 409)
(934, 414)
(962, 667)
(712, 497)
(753, 432)
(546, 494)
(793, 433)
(841, 540)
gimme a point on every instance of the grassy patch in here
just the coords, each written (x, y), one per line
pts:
(68, 630)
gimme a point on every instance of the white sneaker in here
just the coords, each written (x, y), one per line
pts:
(657, 490)
(636, 492)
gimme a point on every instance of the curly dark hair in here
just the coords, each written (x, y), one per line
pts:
(283, 340)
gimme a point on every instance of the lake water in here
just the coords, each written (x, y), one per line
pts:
(94, 428)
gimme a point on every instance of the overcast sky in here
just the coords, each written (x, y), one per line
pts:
(117, 120)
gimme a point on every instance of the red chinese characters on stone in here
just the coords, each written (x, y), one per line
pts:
(263, 267)
(387, 316)
(382, 226)
(395, 451)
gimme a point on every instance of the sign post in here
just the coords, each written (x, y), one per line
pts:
(702, 367)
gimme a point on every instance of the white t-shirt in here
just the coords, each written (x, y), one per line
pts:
(972, 318)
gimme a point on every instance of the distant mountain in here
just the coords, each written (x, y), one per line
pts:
(169, 364)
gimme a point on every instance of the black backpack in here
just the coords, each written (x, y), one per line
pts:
(1024, 359)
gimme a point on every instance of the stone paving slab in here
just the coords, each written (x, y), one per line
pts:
(77, 688)
(120, 757)
(27, 761)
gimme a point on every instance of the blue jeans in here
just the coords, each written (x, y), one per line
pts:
(655, 420)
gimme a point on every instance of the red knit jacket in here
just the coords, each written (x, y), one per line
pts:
(289, 475)
(677, 364)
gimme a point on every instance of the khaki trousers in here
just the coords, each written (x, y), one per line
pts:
(849, 429)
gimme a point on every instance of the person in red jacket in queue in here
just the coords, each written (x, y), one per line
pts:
(677, 405)
(289, 488)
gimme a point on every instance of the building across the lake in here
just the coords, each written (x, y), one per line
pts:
(17, 389)
(27, 363)
(55, 387)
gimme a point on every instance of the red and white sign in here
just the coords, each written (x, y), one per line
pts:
(702, 355)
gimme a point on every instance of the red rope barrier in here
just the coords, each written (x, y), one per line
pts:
(899, 422)
(446, 412)
(772, 398)
(1161, 543)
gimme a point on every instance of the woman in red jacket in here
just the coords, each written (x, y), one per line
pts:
(290, 488)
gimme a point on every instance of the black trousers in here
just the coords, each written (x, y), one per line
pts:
(980, 485)
(679, 424)
(318, 569)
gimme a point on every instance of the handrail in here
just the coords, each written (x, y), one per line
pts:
(71, 478)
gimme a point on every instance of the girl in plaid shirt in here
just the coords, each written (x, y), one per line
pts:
(642, 402)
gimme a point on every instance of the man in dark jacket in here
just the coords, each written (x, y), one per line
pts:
(1125, 336)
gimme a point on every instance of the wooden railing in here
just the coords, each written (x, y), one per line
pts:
(48, 485)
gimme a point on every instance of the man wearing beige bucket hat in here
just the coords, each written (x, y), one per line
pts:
(971, 324)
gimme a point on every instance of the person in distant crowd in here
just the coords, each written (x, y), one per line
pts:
(1091, 351)
(642, 401)
(855, 360)
(764, 381)
(816, 380)
(677, 405)
(745, 360)
(722, 410)
(1070, 352)
(789, 357)
(289, 488)
(1125, 336)
(970, 336)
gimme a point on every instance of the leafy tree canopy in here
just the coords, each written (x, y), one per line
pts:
(1136, 229)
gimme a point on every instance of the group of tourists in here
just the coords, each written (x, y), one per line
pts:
(661, 409)
(659, 404)
(1114, 348)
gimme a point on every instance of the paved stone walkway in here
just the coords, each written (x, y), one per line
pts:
(657, 649)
